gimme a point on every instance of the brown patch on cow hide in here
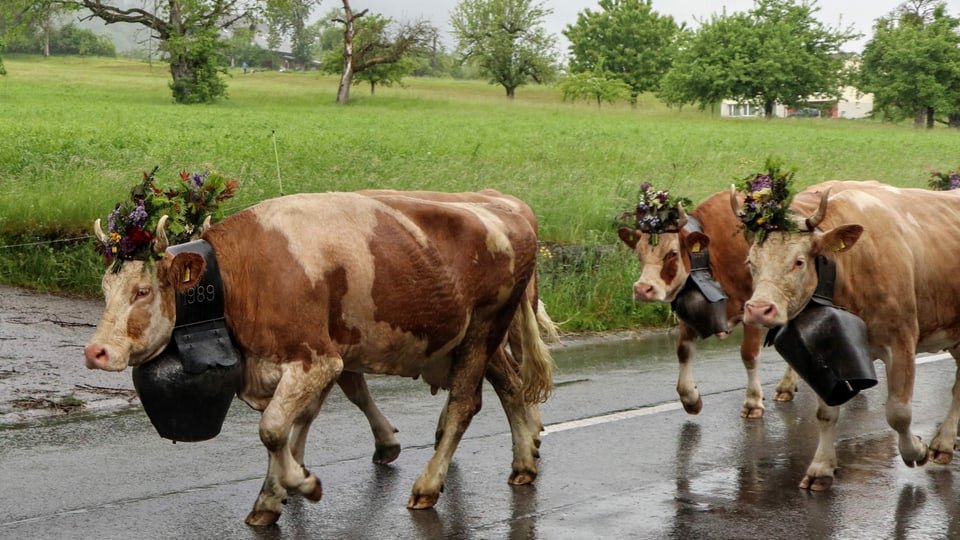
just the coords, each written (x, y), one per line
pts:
(271, 305)
(336, 282)
(414, 288)
(670, 268)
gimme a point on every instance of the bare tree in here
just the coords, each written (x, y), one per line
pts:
(380, 49)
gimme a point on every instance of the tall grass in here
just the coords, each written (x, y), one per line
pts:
(77, 133)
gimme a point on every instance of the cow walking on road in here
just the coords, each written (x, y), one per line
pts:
(665, 268)
(896, 268)
(317, 285)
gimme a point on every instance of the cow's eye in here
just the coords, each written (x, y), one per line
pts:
(142, 292)
(799, 263)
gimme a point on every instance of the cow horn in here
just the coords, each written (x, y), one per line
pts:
(814, 220)
(160, 241)
(98, 231)
(681, 216)
(734, 203)
(206, 224)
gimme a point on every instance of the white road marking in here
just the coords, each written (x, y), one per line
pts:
(666, 407)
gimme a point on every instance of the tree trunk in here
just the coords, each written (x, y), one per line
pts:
(930, 117)
(182, 74)
(768, 107)
(373, 85)
(919, 115)
(346, 79)
(953, 120)
(510, 91)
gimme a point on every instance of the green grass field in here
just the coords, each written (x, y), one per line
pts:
(76, 134)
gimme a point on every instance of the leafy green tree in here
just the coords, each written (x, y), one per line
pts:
(29, 21)
(778, 52)
(189, 31)
(368, 43)
(288, 19)
(507, 40)
(598, 85)
(912, 65)
(634, 43)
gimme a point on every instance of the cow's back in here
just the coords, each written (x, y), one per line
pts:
(388, 281)
(903, 267)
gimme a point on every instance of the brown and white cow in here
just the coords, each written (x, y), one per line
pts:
(665, 268)
(895, 270)
(317, 285)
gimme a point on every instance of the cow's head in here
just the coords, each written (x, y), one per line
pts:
(664, 267)
(140, 312)
(784, 266)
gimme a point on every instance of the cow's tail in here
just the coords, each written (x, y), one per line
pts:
(536, 367)
(548, 328)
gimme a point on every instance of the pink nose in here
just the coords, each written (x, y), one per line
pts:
(643, 292)
(96, 356)
(760, 313)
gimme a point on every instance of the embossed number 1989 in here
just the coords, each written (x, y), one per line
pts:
(199, 295)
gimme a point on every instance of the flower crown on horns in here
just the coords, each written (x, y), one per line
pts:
(136, 228)
(657, 212)
(944, 181)
(767, 197)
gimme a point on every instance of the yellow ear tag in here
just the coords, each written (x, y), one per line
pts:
(695, 248)
(841, 246)
(186, 274)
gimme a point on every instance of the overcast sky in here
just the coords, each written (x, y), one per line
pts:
(858, 13)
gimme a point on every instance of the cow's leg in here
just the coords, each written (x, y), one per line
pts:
(942, 445)
(820, 472)
(386, 445)
(463, 402)
(300, 388)
(686, 386)
(900, 377)
(301, 427)
(750, 355)
(787, 387)
(523, 417)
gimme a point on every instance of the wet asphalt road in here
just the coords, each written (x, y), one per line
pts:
(620, 459)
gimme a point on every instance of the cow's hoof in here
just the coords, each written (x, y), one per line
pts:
(783, 395)
(820, 483)
(386, 454)
(314, 493)
(522, 478)
(262, 518)
(751, 412)
(940, 458)
(694, 408)
(422, 502)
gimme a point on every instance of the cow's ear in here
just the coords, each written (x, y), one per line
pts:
(184, 270)
(840, 239)
(629, 236)
(696, 242)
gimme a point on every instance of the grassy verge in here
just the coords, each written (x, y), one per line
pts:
(77, 133)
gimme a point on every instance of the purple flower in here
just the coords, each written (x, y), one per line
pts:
(198, 180)
(112, 219)
(645, 186)
(954, 179)
(762, 181)
(139, 215)
(662, 196)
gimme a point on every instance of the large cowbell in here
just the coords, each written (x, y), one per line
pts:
(827, 345)
(701, 303)
(187, 390)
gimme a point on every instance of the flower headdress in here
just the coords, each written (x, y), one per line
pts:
(767, 201)
(656, 212)
(131, 224)
(941, 181)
